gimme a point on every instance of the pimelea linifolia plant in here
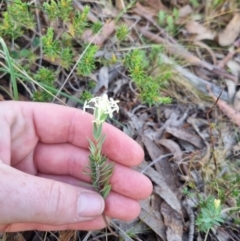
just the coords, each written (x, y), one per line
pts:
(100, 169)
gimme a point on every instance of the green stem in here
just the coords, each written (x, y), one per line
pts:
(205, 239)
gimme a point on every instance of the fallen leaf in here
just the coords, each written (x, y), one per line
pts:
(234, 67)
(156, 4)
(173, 147)
(222, 234)
(163, 166)
(103, 81)
(149, 12)
(231, 32)
(120, 5)
(134, 227)
(99, 39)
(148, 217)
(185, 135)
(165, 193)
(185, 11)
(199, 30)
(162, 188)
(173, 221)
(236, 101)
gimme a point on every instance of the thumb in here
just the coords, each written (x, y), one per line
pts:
(26, 198)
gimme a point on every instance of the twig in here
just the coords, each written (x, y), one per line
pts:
(210, 132)
(155, 161)
(190, 212)
(227, 109)
(109, 227)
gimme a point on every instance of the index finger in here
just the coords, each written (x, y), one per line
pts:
(59, 124)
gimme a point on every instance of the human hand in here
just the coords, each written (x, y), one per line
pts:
(43, 155)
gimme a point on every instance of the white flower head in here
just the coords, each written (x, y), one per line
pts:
(103, 107)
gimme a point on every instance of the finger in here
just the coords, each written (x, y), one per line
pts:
(27, 198)
(5, 141)
(96, 224)
(124, 210)
(66, 159)
(58, 124)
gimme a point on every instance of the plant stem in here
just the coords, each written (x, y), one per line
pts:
(205, 239)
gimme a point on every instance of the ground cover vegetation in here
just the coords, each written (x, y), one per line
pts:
(174, 67)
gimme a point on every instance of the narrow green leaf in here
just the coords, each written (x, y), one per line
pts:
(105, 191)
(92, 146)
(11, 69)
(101, 141)
(97, 131)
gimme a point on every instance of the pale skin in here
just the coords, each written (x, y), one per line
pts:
(43, 155)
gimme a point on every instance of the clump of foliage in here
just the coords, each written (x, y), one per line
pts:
(60, 9)
(87, 62)
(122, 32)
(16, 19)
(138, 65)
(59, 49)
(209, 214)
(51, 47)
(167, 20)
(44, 76)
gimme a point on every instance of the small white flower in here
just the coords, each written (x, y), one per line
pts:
(103, 107)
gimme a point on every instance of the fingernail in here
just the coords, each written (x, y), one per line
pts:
(89, 205)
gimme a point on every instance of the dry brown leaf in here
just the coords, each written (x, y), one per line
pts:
(185, 135)
(231, 32)
(185, 11)
(173, 147)
(162, 188)
(149, 12)
(120, 5)
(68, 235)
(14, 237)
(165, 193)
(156, 4)
(173, 221)
(148, 217)
(99, 40)
(163, 166)
(103, 81)
(154, 151)
(199, 30)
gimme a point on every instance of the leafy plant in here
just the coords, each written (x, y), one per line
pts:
(66, 57)
(168, 20)
(96, 27)
(87, 63)
(60, 9)
(86, 96)
(209, 214)
(100, 169)
(19, 13)
(51, 47)
(80, 22)
(16, 19)
(47, 77)
(122, 32)
(148, 86)
(194, 3)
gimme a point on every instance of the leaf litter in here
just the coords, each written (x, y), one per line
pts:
(188, 154)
